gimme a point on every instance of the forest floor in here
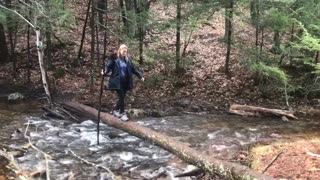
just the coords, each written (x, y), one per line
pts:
(295, 160)
(202, 87)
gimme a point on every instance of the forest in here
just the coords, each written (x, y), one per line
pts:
(159, 89)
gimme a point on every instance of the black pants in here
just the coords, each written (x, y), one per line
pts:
(121, 97)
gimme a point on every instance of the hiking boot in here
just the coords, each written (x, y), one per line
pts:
(124, 117)
(116, 113)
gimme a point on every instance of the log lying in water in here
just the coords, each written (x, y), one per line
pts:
(246, 110)
(209, 164)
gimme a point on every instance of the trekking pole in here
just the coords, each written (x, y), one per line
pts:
(99, 111)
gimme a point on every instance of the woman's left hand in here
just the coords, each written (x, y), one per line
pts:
(142, 79)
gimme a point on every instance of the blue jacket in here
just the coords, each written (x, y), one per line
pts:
(113, 66)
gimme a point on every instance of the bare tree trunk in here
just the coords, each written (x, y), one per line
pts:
(101, 9)
(83, 34)
(276, 38)
(230, 16)
(178, 29)
(105, 32)
(48, 41)
(139, 23)
(28, 52)
(226, 24)
(123, 15)
(316, 59)
(92, 53)
(257, 20)
(186, 44)
(209, 164)
(11, 40)
(3, 45)
(42, 66)
(253, 11)
(140, 45)
(291, 40)
(131, 27)
(97, 46)
(12, 53)
(49, 47)
(262, 39)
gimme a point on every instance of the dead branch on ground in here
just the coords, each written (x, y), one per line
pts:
(274, 159)
(95, 165)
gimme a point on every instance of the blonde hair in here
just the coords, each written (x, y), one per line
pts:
(119, 51)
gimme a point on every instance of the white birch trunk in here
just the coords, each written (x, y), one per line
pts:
(42, 68)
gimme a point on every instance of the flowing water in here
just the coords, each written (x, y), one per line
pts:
(222, 136)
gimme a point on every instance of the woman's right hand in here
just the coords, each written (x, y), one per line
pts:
(102, 73)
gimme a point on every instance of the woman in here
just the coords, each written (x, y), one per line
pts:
(121, 79)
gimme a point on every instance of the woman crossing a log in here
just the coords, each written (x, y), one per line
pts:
(121, 79)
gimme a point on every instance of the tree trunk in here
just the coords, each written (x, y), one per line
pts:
(178, 28)
(139, 24)
(105, 31)
(226, 24)
(101, 9)
(11, 24)
(123, 15)
(229, 35)
(316, 59)
(48, 40)
(12, 47)
(262, 39)
(92, 53)
(276, 47)
(253, 11)
(245, 110)
(49, 47)
(83, 34)
(209, 164)
(42, 66)
(227, 5)
(141, 37)
(132, 28)
(29, 53)
(97, 46)
(257, 20)
(3, 45)
(291, 40)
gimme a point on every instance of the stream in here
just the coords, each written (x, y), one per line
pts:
(220, 135)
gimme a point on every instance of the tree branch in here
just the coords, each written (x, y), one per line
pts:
(18, 15)
(274, 159)
(92, 164)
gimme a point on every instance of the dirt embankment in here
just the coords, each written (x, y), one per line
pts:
(299, 159)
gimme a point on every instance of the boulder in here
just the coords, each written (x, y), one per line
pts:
(195, 108)
(184, 103)
(156, 113)
(136, 112)
(15, 97)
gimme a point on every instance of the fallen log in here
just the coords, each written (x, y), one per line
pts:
(209, 164)
(246, 110)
